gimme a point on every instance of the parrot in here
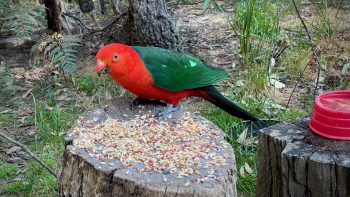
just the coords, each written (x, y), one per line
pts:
(155, 73)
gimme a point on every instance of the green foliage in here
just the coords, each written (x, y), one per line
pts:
(91, 85)
(7, 82)
(16, 187)
(8, 171)
(21, 18)
(246, 28)
(294, 61)
(324, 26)
(36, 181)
(254, 20)
(53, 121)
(59, 49)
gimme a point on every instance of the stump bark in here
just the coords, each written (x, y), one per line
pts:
(83, 175)
(293, 161)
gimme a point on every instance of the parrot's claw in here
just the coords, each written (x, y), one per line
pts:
(168, 110)
(139, 101)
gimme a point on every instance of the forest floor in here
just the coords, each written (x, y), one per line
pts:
(39, 107)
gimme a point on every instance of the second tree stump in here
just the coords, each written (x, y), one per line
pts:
(293, 161)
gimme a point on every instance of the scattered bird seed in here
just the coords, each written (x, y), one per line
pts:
(179, 148)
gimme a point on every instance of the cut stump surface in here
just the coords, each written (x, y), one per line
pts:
(105, 163)
(293, 161)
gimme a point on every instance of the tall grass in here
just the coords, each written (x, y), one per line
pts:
(254, 21)
(325, 28)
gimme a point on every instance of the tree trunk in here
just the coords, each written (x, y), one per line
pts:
(52, 15)
(148, 23)
(293, 161)
(89, 172)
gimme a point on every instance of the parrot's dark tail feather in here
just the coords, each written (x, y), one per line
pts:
(252, 123)
(254, 126)
(211, 94)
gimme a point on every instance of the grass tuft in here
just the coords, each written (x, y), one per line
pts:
(8, 171)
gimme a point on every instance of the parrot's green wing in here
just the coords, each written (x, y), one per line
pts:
(175, 71)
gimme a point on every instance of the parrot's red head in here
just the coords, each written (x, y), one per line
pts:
(114, 58)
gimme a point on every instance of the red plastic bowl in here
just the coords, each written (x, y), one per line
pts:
(331, 115)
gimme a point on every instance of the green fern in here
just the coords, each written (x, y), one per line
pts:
(22, 19)
(59, 49)
(7, 82)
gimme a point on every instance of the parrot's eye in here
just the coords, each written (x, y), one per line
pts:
(115, 57)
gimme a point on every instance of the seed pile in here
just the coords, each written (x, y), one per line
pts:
(150, 144)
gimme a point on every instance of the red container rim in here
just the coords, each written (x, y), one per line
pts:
(331, 115)
(322, 107)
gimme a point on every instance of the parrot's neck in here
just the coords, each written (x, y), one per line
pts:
(131, 72)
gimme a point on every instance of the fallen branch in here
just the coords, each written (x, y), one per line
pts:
(314, 54)
(29, 152)
(77, 19)
(116, 18)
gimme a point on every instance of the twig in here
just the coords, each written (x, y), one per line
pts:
(29, 152)
(95, 21)
(116, 18)
(314, 54)
(35, 113)
(77, 19)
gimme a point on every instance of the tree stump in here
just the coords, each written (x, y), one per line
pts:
(99, 171)
(293, 161)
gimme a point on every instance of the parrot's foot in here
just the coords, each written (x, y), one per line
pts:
(168, 110)
(139, 101)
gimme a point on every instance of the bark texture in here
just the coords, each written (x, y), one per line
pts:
(88, 176)
(52, 15)
(147, 23)
(293, 161)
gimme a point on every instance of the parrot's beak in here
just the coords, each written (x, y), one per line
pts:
(101, 68)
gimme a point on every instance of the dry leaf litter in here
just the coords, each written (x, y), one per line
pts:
(180, 148)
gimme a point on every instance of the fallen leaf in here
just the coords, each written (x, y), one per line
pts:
(242, 137)
(277, 84)
(248, 168)
(241, 171)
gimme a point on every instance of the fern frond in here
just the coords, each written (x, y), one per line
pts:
(59, 49)
(21, 19)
